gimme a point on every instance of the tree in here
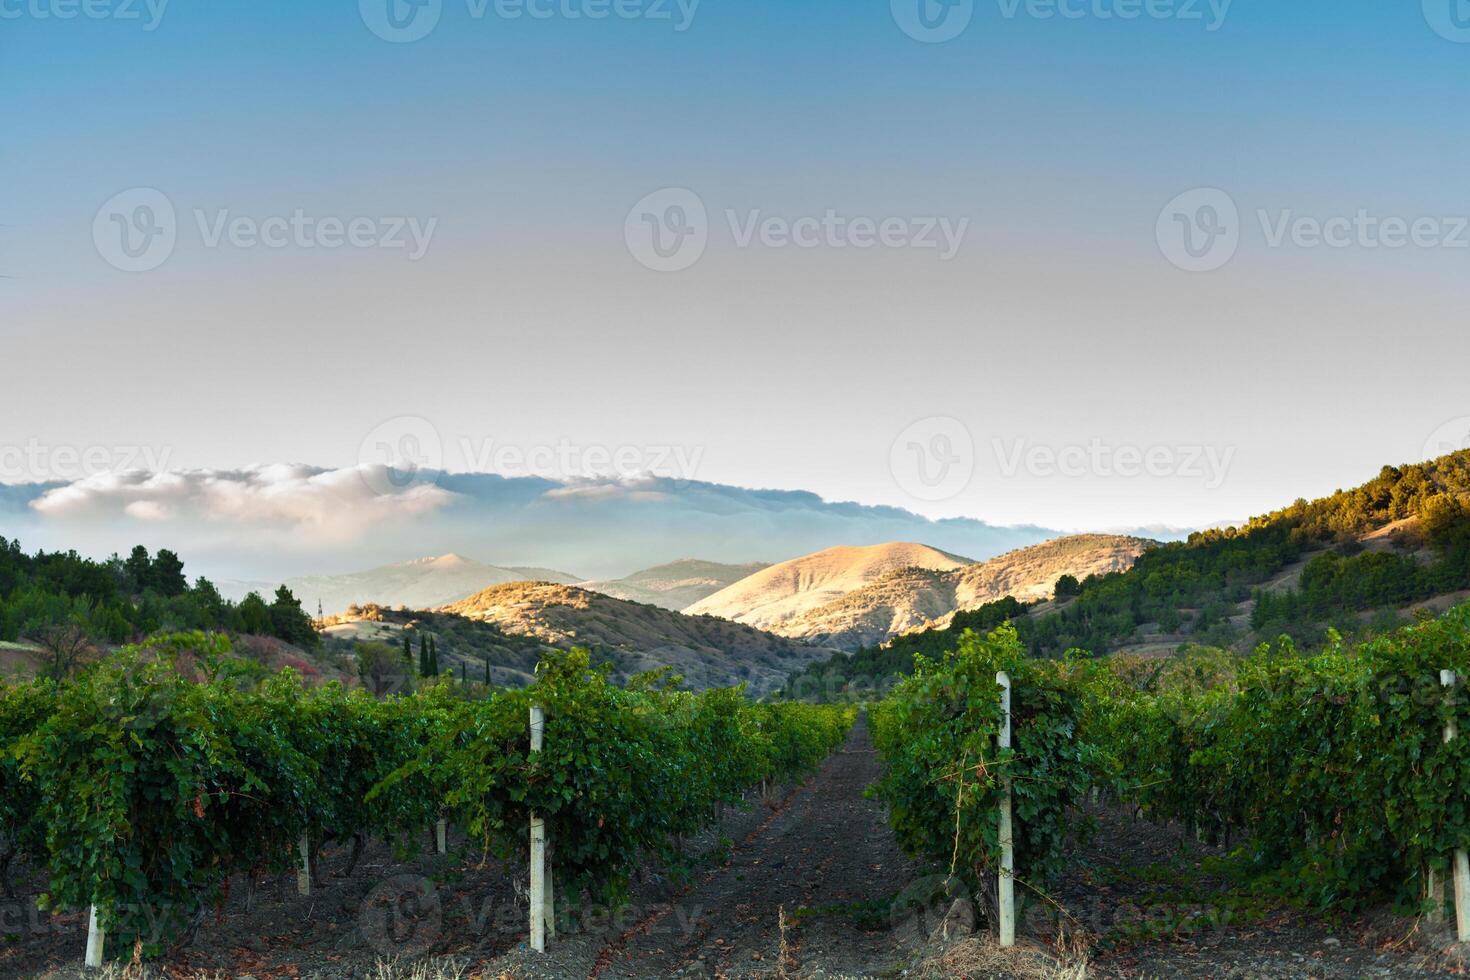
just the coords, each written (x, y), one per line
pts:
(424, 670)
(139, 569)
(167, 574)
(433, 658)
(381, 668)
(67, 645)
(1067, 586)
(487, 670)
(254, 615)
(290, 622)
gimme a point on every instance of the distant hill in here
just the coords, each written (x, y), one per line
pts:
(912, 597)
(789, 590)
(420, 584)
(635, 637)
(1360, 561)
(676, 585)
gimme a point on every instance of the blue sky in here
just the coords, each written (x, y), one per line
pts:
(527, 141)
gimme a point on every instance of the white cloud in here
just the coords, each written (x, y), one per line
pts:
(323, 504)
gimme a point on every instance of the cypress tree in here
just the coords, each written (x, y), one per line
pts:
(433, 657)
(487, 670)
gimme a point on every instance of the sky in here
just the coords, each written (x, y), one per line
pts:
(1081, 264)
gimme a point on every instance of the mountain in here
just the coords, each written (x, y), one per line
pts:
(912, 597)
(635, 637)
(675, 585)
(786, 591)
(420, 584)
(1361, 562)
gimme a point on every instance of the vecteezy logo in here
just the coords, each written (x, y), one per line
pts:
(1449, 18)
(401, 21)
(401, 453)
(1451, 437)
(933, 21)
(668, 230)
(136, 231)
(401, 916)
(1199, 231)
(933, 459)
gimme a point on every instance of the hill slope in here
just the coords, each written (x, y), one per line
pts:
(911, 597)
(786, 591)
(676, 585)
(1361, 561)
(419, 584)
(635, 638)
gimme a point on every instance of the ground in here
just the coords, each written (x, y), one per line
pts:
(805, 882)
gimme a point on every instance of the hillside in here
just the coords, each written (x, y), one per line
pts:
(1361, 561)
(789, 590)
(912, 597)
(676, 585)
(635, 637)
(420, 584)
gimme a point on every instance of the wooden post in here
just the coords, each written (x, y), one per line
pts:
(1460, 865)
(303, 876)
(1007, 897)
(539, 893)
(96, 939)
(441, 835)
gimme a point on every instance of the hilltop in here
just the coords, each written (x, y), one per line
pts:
(636, 637)
(791, 589)
(1360, 561)
(419, 584)
(913, 597)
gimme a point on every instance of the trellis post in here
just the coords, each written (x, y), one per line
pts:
(1007, 885)
(1460, 864)
(303, 874)
(96, 939)
(541, 897)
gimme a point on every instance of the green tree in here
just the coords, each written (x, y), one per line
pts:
(167, 574)
(139, 570)
(380, 667)
(254, 615)
(290, 622)
(1067, 586)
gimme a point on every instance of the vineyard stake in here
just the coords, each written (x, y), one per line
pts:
(538, 848)
(1461, 863)
(1007, 838)
(441, 832)
(303, 876)
(96, 939)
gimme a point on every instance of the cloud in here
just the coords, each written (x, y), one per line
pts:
(278, 521)
(328, 505)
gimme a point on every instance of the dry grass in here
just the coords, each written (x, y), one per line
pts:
(441, 968)
(980, 957)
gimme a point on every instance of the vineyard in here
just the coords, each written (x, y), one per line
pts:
(150, 781)
(1337, 777)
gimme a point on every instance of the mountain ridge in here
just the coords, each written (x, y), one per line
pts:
(915, 598)
(788, 589)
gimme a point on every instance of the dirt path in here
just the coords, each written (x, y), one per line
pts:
(826, 856)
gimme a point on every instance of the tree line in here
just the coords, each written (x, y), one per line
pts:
(71, 605)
